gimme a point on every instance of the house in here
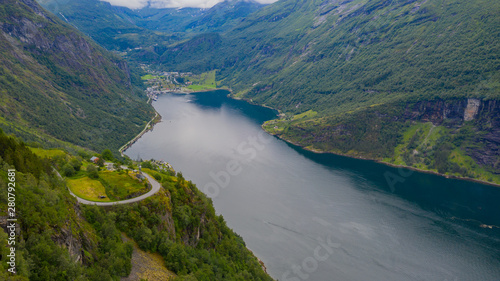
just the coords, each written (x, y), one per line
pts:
(94, 159)
(110, 166)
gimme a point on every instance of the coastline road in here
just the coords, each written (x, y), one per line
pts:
(155, 187)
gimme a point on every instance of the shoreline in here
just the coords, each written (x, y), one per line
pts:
(146, 129)
(262, 265)
(384, 163)
(230, 95)
(149, 127)
(187, 91)
(251, 102)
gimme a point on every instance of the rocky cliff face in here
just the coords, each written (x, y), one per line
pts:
(76, 242)
(471, 109)
(482, 115)
(451, 111)
(488, 124)
(71, 237)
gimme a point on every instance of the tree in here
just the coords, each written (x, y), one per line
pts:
(147, 164)
(107, 155)
(76, 163)
(100, 162)
(68, 170)
(92, 172)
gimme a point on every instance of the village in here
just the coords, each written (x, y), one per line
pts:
(162, 82)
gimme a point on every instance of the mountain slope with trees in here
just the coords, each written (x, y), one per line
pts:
(346, 74)
(59, 239)
(145, 32)
(341, 55)
(355, 77)
(56, 82)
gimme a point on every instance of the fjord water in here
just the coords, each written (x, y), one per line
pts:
(315, 216)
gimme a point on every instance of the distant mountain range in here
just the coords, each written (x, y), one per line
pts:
(120, 28)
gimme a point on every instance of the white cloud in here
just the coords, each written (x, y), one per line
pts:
(137, 4)
(132, 4)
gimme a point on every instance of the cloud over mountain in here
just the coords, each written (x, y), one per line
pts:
(137, 4)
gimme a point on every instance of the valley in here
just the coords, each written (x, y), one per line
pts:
(64, 98)
(346, 61)
(369, 130)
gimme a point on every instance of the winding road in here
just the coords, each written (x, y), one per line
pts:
(155, 187)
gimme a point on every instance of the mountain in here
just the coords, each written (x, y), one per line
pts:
(120, 28)
(143, 35)
(413, 83)
(224, 15)
(321, 53)
(358, 78)
(57, 85)
(166, 19)
(56, 82)
(115, 28)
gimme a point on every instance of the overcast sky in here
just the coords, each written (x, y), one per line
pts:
(136, 4)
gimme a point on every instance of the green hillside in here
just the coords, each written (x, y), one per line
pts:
(56, 82)
(223, 16)
(362, 67)
(115, 28)
(59, 239)
(144, 34)
(339, 56)
(369, 69)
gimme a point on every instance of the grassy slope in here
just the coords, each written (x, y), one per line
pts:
(203, 81)
(88, 189)
(47, 153)
(121, 185)
(419, 145)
